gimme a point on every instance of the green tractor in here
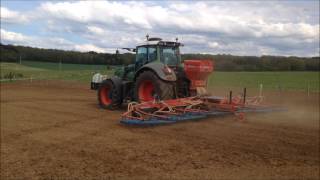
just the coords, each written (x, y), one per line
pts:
(157, 74)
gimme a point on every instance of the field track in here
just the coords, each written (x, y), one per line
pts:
(55, 130)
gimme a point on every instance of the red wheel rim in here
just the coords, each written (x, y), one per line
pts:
(105, 95)
(146, 91)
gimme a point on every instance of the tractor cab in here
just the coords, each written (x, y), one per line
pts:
(156, 50)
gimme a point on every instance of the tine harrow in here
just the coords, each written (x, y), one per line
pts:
(191, 108)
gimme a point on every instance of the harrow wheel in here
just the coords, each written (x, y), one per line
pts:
(148, 86)
(108, 96)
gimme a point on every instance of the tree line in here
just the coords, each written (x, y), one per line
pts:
(223, 62)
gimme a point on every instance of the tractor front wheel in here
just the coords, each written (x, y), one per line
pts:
(108, 96)
(149, 86)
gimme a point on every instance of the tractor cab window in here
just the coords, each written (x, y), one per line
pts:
(141, 57)
(152, 54)
(170, 55)
(145, 55)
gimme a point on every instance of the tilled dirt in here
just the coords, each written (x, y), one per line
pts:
(55, 130)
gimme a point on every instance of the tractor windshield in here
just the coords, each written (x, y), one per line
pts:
(170, 55)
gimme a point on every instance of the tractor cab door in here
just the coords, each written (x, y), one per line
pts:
(141, 57)
(145, 54)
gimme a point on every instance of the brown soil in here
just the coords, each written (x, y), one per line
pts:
(55, 130)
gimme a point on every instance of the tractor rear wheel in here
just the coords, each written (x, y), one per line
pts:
(108, 95)
(149, 86)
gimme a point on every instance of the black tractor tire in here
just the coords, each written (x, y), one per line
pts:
(109, 95)
(162, 90)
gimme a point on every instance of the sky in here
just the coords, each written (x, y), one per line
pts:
(252, 28)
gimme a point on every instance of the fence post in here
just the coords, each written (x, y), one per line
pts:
(31, 79)
(260, 89)
(244, 95)
(230, 97)
(308, 89)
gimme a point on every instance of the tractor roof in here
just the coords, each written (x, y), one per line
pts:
(158, 41)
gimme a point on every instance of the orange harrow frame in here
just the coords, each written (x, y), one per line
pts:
(192, 108)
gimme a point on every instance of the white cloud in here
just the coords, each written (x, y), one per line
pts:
(9, 16)
(96, 30)
(99, 11)
(213, 44)
(8, 37)
(13, 37)
(88, 47)
(251, 28)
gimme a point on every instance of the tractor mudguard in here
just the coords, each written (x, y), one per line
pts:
(160, 70)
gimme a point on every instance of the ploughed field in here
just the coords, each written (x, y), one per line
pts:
(55, 130)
